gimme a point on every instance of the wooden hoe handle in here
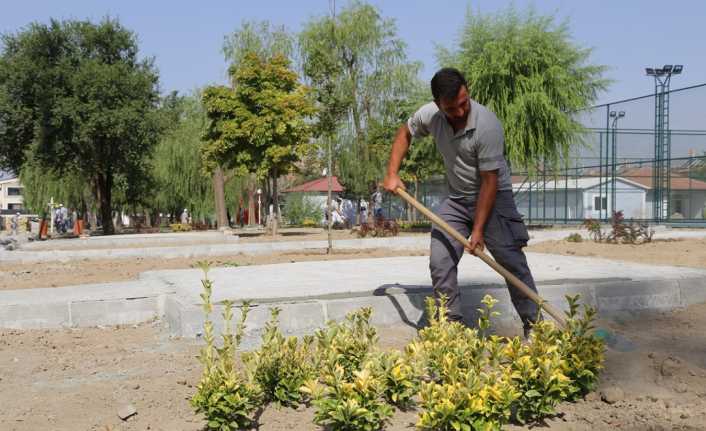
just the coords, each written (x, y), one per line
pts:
(516, 282)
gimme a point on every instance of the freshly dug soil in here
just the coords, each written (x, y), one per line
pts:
(673, 252)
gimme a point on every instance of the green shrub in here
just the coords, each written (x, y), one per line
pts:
(399, 378)
(282, 365)
(349, 403)
(468, 388)
(574, 237)
(583, 351)
(226, 397)
(180, 227)
(414, 225)
(538, 373)
(307, 222)
(298, 210)
(348, 343)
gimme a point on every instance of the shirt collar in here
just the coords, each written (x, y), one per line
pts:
(472, 116)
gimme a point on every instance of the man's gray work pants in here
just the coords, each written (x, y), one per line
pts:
(505, 235)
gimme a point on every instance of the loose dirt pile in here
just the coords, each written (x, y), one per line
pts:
(673, 252)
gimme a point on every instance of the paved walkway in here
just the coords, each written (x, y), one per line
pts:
(310, 293)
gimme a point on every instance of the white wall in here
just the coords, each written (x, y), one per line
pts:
(5, 199)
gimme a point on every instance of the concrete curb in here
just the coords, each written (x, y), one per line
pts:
(391, 305)
(395, 305)
(399, 243)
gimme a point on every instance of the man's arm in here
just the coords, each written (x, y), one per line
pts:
(486, 200)
(399, 149)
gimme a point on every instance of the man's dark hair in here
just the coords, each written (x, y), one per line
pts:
(446, 83)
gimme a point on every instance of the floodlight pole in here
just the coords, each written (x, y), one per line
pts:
(661, 171)
(615, 115)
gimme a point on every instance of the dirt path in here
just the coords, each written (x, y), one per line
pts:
(676, 252)
(57, 274)
(78, 379)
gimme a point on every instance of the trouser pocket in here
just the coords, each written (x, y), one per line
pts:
(515, 231)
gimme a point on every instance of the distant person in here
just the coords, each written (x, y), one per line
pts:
(15, 223)
(377, 203)
(348, 212)
(363, 211)
(185, 216)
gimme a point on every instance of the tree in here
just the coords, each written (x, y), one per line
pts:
(260, 38)
(262, 125)
(265, 40)
(357, 64)
(75, 97)
(526, 69)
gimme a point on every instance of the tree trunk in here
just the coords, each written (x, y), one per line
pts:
(104, 189)
(275, 203)
(251, 203)
(220, 196)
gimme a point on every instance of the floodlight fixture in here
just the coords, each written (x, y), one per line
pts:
(667, 68)
(612, 114)
(649, 71)
(677, 69)
(659, 72)
(621, 114)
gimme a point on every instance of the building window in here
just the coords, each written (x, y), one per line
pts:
(600, 203)
(14, 206)
(678, 206)
(14, 191)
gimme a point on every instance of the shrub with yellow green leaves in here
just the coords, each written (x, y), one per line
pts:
(538, 373)
(399, 378)
(582, 350)
(180, 227)
(469, 387)
(349, 404)
(227, 397)
(281, 365)
(348, 343)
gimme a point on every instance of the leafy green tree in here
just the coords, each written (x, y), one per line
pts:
(358, 66)
(42, 185)
(265, 40)
(180, 180)
(526, 69)
(75, 96)
(262, 126)
(260, 38)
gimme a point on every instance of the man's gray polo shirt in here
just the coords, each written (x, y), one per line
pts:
(480, 146)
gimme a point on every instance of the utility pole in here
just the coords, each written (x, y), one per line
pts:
(329, 250)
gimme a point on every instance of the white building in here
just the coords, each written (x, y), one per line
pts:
(10, 192)
(591, 197)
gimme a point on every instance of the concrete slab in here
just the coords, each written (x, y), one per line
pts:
(206, 250)
(311, 293)
(184, 245)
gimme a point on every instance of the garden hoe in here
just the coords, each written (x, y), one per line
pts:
(612, 340)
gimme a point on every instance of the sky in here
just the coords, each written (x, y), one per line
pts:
(186, 37)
